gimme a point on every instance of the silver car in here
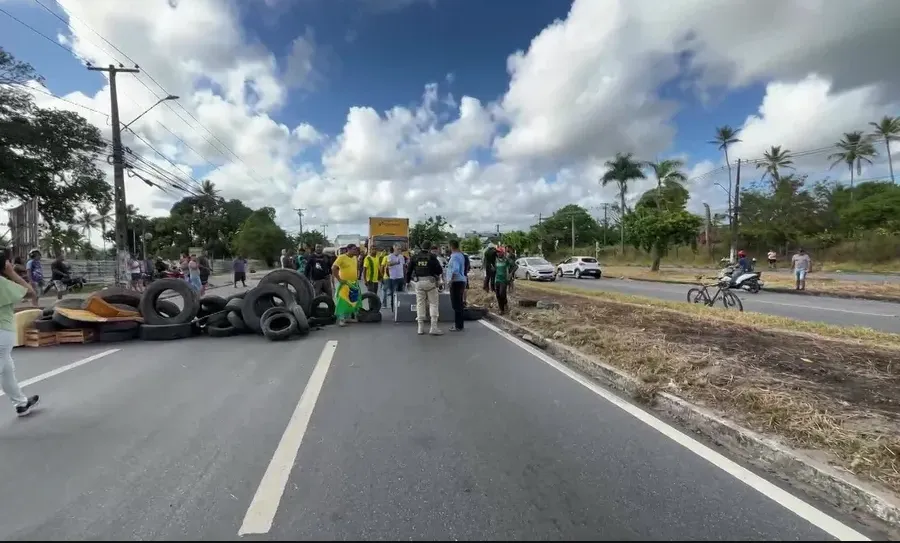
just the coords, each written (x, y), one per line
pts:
(534, 268)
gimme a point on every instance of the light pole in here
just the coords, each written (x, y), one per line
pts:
(158, 102)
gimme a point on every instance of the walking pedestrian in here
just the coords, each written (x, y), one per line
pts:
(35, 275)
(205, 271)
(456, 276)
(501, 281)
(801, 264)
(372, 271)
(318, 270)
(427, 271)
(239, 267)
(12, 289)
(346, 272)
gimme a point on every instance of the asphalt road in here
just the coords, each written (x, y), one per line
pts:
(883, 316)
(367, 432)
(784, 271)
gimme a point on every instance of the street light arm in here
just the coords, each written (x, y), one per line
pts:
(158, 102)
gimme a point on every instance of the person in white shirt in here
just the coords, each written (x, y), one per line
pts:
(773, 258)
(134, 268)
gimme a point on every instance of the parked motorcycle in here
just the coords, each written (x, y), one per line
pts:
(750, 281)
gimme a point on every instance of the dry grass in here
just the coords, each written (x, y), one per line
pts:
(874, 289)
(815, 392)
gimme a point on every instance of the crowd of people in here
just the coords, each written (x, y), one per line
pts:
(385, 273)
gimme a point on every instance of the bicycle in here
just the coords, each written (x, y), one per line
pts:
(700, 294)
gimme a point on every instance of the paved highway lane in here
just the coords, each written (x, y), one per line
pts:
(368, 432)
(840, 311)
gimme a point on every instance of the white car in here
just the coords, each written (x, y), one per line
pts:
(578, 267)
(475, 262)
(534, 268)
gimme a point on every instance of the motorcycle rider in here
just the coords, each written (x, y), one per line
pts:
(742, 267)
(427, 269)
(59, 275)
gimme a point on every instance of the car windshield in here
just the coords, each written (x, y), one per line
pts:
(536, 262)
(589, 260)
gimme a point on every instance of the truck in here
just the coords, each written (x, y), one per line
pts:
(385, 232)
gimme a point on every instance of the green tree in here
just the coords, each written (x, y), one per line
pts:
(622, 170)
(259, 237)
(103, 219)
(517, 240)
(46, 154)
(656, 230)
(889, 129)
(310, 239)
(431, 230)
(669, 175)
(725, 137)
(471, 245)
(854, 149)
(774, 161)
(558, 228)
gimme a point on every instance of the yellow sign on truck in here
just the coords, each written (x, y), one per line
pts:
(385, 232)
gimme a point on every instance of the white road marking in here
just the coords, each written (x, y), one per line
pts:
(754, 300)
(63, 369)
(264, 505)
(817, 518)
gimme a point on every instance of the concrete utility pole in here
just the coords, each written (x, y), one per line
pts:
(118, 171)
(572, 217)
(300, 218)
(605, 221)
(735, 207)
(709, 250)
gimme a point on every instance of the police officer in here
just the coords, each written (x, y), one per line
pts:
(427, 269)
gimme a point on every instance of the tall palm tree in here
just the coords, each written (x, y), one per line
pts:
(87, 222)
(854, 149)
(667, 172)
(104, 217)
(725, 136)
(209, 190)
(889, 129)
(774, 160)
(622, 169)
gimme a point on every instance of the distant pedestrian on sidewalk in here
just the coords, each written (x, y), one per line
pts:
(773, 259)
(456, 276)
(12, 289)
(801, 264)
(239, 267)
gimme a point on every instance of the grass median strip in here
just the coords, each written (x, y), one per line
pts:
(811, 385)
(870, 289)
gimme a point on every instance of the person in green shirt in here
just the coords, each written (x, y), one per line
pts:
(301, 260)
(372, 270)
(12, 290)
(504, 268)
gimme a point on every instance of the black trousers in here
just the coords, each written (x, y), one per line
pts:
(489, 276)
(502, 299)
(457, 291)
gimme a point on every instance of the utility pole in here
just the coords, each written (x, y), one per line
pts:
(118, 170)
(300, 218)
(708, 222)
(573, 232)
(605, 222)
(734, 218)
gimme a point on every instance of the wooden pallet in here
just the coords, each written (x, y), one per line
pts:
(36, 338)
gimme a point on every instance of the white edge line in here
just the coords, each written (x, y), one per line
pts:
(817, 518)
(63, 369)
(261, 513)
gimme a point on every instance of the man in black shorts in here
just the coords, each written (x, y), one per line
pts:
(205, 270)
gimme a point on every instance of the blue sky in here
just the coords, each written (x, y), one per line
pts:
(382, 58)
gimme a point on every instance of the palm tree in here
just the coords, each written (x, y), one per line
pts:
(86, 222)
(776, 159)
(667, 172)
(620, 170)
(103, 218)
(889, 129)
(725, 136)
(854, 149)
(208, 189)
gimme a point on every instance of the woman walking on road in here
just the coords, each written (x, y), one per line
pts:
(12, 289)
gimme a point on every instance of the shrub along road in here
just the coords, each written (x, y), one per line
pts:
(367, 432)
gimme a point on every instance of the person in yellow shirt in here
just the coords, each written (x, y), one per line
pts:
(372, 270)
(346, 271)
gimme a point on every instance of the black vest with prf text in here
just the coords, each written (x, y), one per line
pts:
(423, 270)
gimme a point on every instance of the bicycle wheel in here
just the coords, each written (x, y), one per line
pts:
(730, 300)
(697, 296)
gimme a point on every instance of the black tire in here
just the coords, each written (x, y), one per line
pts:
(236, 296)
(302, 321)
(278, 324)
(322, 312)
(222, 330)
(235, 319)
(166, 332)
(374, 303)
(46, 324)
(695, 296)
(117, 326)
(66, 323)
(47, 312)
(147, 306)
(474, 313)
(210, 304)
(303, 289)
(167, 308)
(370, 316)
(116, 335)
(577, 274)
(119, 295)
(730, 300)
(72, 303)
(235, 304)
(316, 322)
(260, 299)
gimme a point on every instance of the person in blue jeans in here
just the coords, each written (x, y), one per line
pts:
(396, 272)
